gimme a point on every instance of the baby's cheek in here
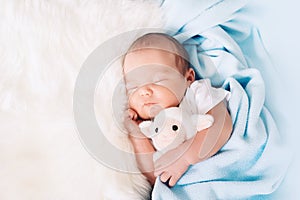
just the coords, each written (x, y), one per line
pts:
(132, 101)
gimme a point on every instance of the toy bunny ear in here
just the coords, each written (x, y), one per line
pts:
(202, 121)
(145, 128)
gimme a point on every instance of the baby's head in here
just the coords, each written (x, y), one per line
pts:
(157, 73)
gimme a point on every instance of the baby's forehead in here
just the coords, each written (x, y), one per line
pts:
(148, 57)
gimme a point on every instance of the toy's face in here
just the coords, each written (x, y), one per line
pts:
(167, 129)
(168, 133)
(172, 126)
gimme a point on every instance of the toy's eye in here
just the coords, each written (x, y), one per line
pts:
(156, 130)
(174, 127)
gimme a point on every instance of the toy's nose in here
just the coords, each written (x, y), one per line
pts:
(169, 135)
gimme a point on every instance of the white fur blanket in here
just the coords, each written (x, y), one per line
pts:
(42, 47)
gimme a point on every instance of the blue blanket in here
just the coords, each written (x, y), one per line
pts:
(229, 51)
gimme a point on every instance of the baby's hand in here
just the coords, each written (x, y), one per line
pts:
(132, 114)
(174, 163)
(170, 171)
(131, 124)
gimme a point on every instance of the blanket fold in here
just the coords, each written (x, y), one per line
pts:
(253, 162)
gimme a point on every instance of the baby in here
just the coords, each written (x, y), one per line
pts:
(157, 76)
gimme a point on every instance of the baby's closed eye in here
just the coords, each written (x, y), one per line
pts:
(159, 77)
(131, 90)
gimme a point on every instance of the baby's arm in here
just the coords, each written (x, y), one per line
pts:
(142, 146)
(172, 165)
(144, 150)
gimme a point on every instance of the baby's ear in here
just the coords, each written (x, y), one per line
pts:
(203, 121)
(145, 128)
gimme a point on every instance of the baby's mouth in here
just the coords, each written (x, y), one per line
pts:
(149, 104)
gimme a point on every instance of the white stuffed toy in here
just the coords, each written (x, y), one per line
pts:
(172, 126)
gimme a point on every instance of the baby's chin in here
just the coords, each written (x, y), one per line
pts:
(152, 111)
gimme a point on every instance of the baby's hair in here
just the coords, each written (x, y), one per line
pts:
(162, 42)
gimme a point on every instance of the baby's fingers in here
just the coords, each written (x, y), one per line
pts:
(164, 177)
(173, 180)
(133, 115)
(169, 179)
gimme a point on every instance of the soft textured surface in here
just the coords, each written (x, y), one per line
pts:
(42, 47)
(229, 51)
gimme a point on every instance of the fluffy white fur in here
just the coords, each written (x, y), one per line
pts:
(42, 47)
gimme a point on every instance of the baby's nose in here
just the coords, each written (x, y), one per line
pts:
(146, 91)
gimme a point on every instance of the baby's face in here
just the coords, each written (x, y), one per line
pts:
(153, 82)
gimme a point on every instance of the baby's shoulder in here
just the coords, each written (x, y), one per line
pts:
(200, 85)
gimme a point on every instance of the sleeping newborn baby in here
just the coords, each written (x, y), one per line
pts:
(158, 76)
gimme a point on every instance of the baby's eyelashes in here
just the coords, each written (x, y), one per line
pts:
(160, 82)
(131, 89)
